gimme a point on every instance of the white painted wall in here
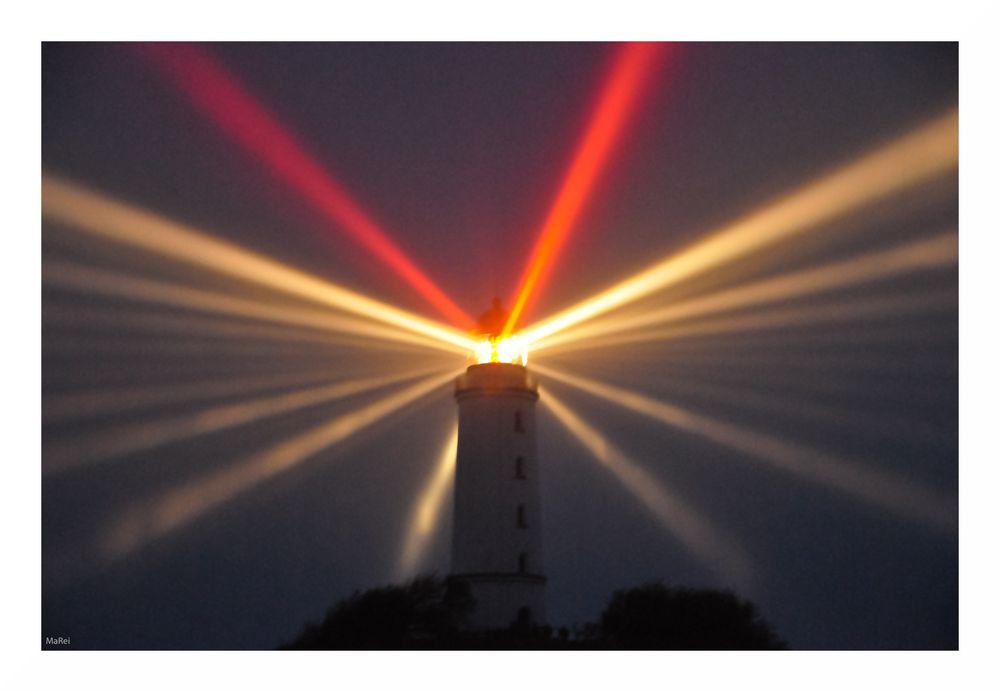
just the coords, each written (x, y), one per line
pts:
(487, 542)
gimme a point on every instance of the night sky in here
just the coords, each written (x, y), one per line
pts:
(457, 150)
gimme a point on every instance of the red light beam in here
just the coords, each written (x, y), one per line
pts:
(618, 98)
(220, 96)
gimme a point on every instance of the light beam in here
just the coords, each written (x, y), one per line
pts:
(630, 72)
(426, 515)
(89, 404)
(122, 321)
(884, 426)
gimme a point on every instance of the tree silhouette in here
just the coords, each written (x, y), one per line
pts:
(426, 612)
(430, 613)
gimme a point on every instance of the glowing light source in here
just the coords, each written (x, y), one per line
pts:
(219, 95)
(502, 349)
(896, 494)
(694, 532)
(619, 95)
(929, 151)
(93, 213)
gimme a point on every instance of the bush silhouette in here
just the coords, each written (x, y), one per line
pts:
(655, 616)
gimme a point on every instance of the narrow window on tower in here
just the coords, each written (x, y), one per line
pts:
(522, 563)
(519, 468)
(521, 523)
(518, 422)
(524, 615)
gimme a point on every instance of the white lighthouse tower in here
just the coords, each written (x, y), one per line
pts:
(497, 534)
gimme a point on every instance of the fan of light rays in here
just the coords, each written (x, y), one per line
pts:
(899, 495)
(325, 314)
(154, 517)
(90, 212)
(842, 312)
(105, 282)
(310, 344)
(106, 445)
(937, 252)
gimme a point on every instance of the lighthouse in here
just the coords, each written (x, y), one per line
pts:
(497, 527)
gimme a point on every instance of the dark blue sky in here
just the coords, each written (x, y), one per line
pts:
(458, 149)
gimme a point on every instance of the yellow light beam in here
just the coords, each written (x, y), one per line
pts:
(92, 403)
(850, 311)
(767, 363)
(884, 426)
(156, 517)
(931, 253)
(721, 554)
(114, 284)
(89, 211)
(830, 364)
(899, 495)
(192, 325)
(185, 349)
(426, 515)
(871, 328)
(918, 156)
(116, 441)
